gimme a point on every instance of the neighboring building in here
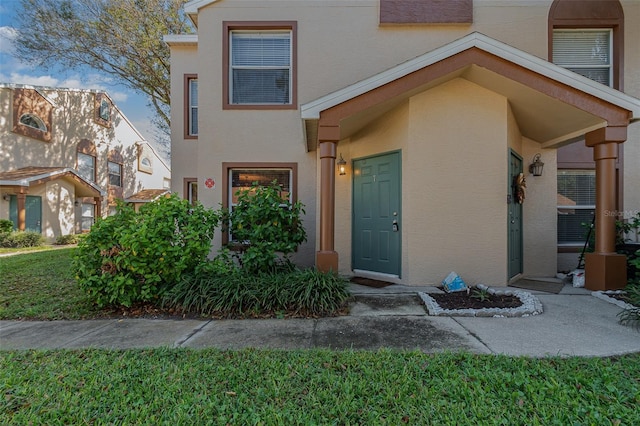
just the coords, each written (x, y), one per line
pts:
(67, 155)
(436, 108)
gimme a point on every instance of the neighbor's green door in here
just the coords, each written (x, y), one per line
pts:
(514, 218)
(33, 207)
(376, 214)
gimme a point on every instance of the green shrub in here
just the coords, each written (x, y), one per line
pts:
(214, 289)
(63, 240)
(6, 226)
(631, 316)
(134, 257)
(20, 239)
(267, 228)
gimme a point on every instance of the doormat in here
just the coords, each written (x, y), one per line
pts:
(369, 282)
(546, 286)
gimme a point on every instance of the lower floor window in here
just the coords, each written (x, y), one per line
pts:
(576, 205)
(88, 213)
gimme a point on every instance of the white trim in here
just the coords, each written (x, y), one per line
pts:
(27, 181)
(193, 6)
(311, 110)
(181, 39)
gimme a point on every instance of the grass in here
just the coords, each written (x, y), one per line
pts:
(4, 250)
(41, 285)
(186, 386)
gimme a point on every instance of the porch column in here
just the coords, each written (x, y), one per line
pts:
(22, 210)
(604, 268)
(327, 257)
(98, 212)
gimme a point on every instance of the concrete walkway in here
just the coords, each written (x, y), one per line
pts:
(573, 323)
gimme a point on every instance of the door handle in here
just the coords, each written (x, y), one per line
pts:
(395, 226)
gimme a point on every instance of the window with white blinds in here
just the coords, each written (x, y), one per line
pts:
(193, 106)
(587, 52)
(260, 67)
(576, 205)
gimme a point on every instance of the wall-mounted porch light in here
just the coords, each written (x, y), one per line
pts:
(536, 167)
(6, 197)
(342, 166)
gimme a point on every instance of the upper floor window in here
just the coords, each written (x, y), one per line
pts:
(87, 166)
(105, 110)
(192, 106)
(33, 121)
(587, 52)
(260, 66)
(115, 173)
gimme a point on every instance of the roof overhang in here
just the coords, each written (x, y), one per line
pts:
(191, 9)
(538, 91)
(31, 176)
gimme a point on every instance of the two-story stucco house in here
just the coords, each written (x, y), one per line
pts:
(408, 127)
(67, 155)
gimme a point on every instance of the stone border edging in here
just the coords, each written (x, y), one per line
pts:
(604, 295)
(531, 305)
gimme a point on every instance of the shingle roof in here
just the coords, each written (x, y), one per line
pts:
(146, 195)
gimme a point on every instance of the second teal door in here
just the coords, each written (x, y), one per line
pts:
(376, 214)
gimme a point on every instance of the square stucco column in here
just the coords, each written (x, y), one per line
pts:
(327, 257)
(604, 268)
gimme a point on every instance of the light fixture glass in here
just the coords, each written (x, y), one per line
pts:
(342, 166)
(536, 167)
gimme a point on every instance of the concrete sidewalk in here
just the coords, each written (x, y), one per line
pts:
(573, 323)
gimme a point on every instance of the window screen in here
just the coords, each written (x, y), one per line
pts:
(87, 166)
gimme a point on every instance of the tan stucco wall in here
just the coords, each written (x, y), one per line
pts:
(340, 43)
(454, 142)
(58, 210)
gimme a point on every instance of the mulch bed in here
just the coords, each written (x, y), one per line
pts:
(475, 299)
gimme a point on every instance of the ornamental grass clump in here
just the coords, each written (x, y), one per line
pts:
(216, 290)
(136, 256)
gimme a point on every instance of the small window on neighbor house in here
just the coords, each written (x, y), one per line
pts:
(193, 107)
(33, 121)
(587, 52)
(166, 183)
(260, 65)
(115, 174)
(88, 213)
(576, 205)
(87, 166)
(105, 110)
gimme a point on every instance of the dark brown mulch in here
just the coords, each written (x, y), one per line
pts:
(475, 299)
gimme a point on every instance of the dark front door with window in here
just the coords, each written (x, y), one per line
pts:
(514, 217)
(376, 214)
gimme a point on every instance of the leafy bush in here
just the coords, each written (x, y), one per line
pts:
(6, 226)
(20, 239)
(63, 240)
(134, 257)
(214, 289)
(631, 316)
(267, 228)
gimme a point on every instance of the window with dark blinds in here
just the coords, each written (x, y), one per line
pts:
(576, 205)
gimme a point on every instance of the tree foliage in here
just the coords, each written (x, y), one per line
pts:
(121, 38)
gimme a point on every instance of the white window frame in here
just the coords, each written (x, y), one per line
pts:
(563, 208)
(193, 107)
(577, 67)
(233, 67)
(90, 208)
(39, 123)
(91, 178)
(109, 163)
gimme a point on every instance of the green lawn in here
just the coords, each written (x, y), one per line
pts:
(41, 285)
(252, 387)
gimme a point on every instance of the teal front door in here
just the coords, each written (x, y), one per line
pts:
(376, 214)
(33, 214)
(514, 217)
